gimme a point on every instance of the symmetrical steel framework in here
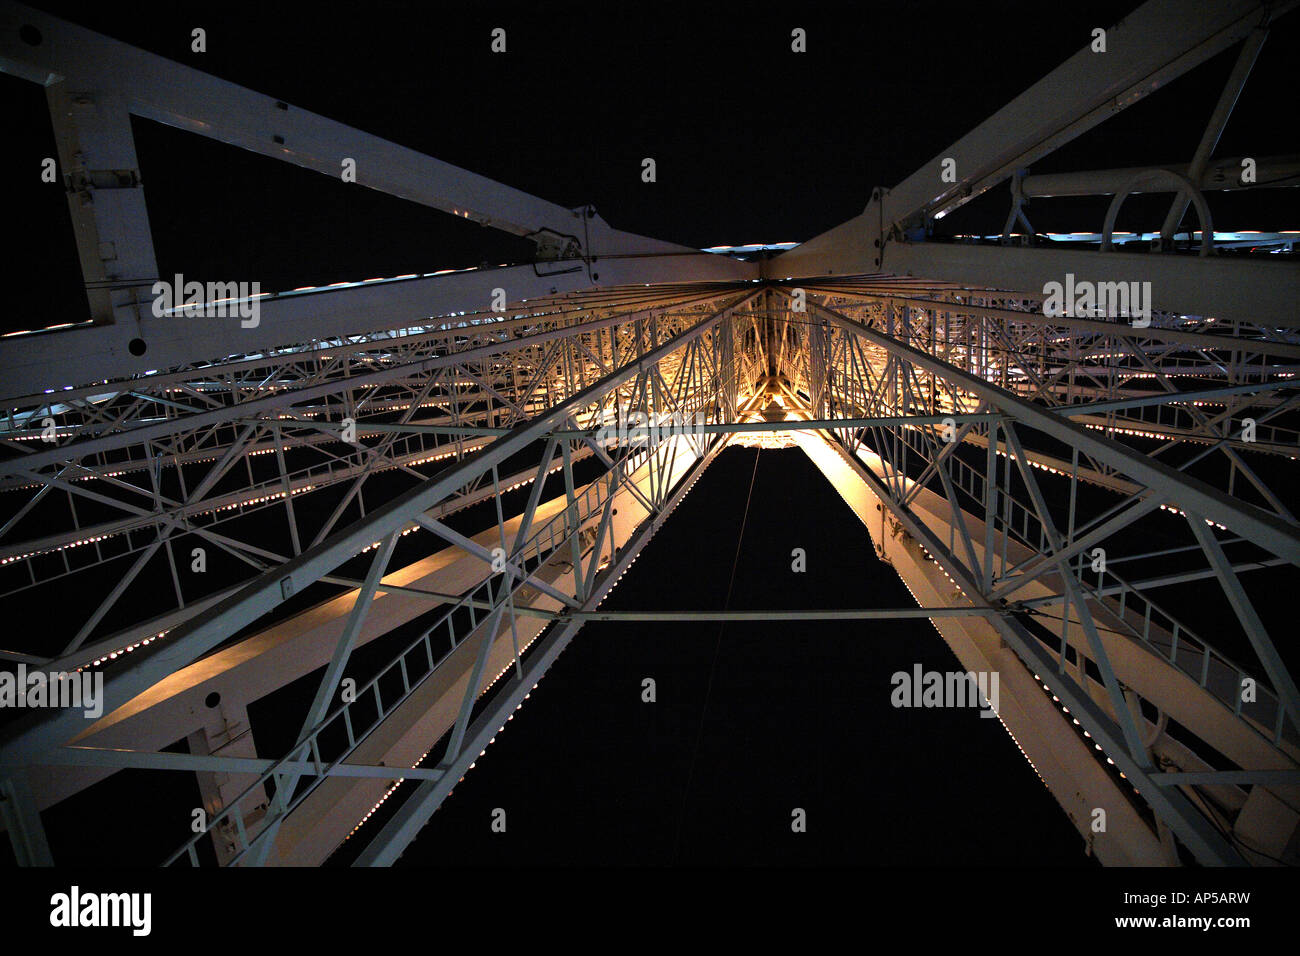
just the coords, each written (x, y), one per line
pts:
(989, 449)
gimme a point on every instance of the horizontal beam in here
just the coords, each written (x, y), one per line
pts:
(248, 410)
(196, 763)
(1150, 333)
(38, 362)
(844, 614)
(1218, 175)
(1262, 293)
(704, 428)
(840, 614)
(1167, 398)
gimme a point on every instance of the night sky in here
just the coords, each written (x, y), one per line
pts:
(752, 144)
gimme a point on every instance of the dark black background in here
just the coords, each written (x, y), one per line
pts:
(753, 144)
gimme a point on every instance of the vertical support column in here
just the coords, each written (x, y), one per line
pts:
(991, 503)
(228, 734)
(92, 129)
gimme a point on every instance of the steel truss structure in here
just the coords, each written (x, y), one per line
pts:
(988, 446)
